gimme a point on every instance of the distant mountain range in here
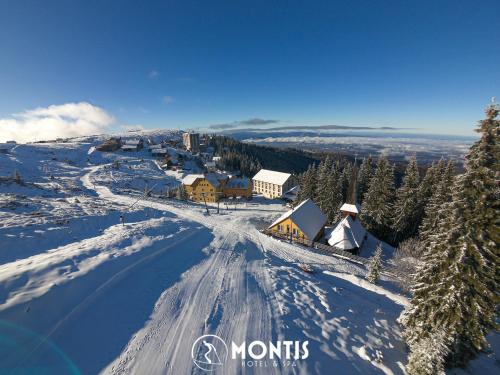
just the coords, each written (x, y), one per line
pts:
(309, 127)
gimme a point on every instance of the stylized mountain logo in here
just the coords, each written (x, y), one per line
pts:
(209, 352)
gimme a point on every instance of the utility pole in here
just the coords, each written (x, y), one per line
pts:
(205, 200)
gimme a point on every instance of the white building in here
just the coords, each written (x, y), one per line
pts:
(272, 184)
(349, 234)
(191, 141)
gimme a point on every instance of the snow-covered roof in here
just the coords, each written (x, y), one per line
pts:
(307, 216)
(191, 178)
(212, 178)
(129, 147)
(133, 141)
(238, 183)
(347, 235)
(159, 151)
(354, 208)
(271, 177)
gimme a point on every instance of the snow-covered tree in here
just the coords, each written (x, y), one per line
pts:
(406, 221)
(428, 186)
(364, 176)
(181, 193)
(346, 177)
(406, 260)
(377, 206)
(308, 184)
(427, 358)
(334, 198)
(434, 209)
(375, 265)
(322, 186)
(456, 290)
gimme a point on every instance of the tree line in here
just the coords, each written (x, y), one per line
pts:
(249, 158)
(391, 214)
(447, 225)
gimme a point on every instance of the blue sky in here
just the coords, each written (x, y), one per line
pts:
(431, 65)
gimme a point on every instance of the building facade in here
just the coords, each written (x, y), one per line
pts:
(211, 187)
(191, 141)
(272, 184)
(238, 187)
(304, 222)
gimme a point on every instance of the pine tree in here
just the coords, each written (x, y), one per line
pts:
(405, 221)
(322, 195)
(334, 198)
(346, 177)
(456, 290)
(441, 196)
(377, 207)
(364, 177)
(427, 358)
(374, 265)
(428, 186)
(181, 193)
(308, 184)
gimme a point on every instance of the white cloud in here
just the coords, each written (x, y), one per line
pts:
(66, 120)
(132, 128)
(168, 99)
(153, 74)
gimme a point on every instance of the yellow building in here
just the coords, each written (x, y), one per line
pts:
(306, 221)
(238, 187)
(208, 187)
(211, 187)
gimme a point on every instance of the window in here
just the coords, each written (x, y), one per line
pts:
(280, 228)
(295, 232)
(288, 228)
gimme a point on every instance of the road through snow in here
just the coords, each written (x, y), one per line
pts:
(133, 298)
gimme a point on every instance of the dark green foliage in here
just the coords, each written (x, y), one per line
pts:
(406, 208)
(249, 158)
(433, 209)
(308, 184)
(375, 265)
(364, 176)
(377, 207)
(456, 290)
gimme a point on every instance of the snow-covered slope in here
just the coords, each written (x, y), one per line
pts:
(133, 297)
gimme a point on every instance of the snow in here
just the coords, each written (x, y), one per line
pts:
(191, 179)
(307, 216)
(347, 235)
(271, 177)
(238, 182)
(354, 208)
(105, 297)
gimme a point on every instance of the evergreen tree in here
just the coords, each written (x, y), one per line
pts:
(346, 177)
(308, 184)
(334, 196)
(181, 193)
(428, 186)
(375, 265)
(377, 207)
(322, 195)
(456, 290)
(427, 358)
(364, 177)
(406, 221)
(441, 196)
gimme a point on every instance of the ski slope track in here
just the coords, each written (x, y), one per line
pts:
(133, 297)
